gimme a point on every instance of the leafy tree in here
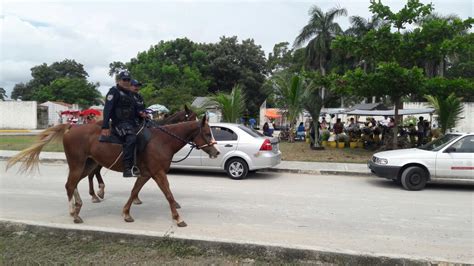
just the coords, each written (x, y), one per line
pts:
(231, 105)
(289, 90)
(3, 94)
(442, 87)
(412, 12)
(44, 76)
(389, 79)
(231, 63)
(69, 90)
(449, 110)
(22, 91)
(319, 31)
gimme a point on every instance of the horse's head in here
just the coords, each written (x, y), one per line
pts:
(204, 139)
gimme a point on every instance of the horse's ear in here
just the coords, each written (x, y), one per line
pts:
(204, 119)
(186, 108)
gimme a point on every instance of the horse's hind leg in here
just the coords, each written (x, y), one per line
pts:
(162, 181)
(76, 173)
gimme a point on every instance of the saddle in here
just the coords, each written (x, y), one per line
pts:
(142, 139)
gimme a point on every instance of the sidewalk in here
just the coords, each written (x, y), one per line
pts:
(315, 168)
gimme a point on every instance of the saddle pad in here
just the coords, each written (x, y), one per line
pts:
(110, 139)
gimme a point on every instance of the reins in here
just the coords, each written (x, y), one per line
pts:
(192, 144)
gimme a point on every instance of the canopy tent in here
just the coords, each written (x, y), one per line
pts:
(272, 113)
(158, 108)
(391, 112)
(90, 112)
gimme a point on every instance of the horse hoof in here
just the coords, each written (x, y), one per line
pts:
(177, 205)
(95, 200)
(182, 224)
(137, 201)
(129, 219)
(78, 220)
(101, 194)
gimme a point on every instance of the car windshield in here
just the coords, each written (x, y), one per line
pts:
(439, 143)
(252, 132)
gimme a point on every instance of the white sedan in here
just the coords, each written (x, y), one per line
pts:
(243, 150)
(450, 157)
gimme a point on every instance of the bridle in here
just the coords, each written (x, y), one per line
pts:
(191, 143)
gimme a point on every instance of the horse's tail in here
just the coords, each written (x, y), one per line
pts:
(30, 156)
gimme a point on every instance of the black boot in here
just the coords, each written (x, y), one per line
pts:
(131, 172)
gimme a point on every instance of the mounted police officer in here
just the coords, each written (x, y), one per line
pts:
(122, 109)
(135, 88)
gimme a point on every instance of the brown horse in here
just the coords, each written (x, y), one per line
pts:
(181, 116)
(84, 152)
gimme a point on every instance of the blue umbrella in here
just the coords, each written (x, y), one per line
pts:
(158, 108)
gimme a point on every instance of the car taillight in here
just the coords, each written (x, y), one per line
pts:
(266, 146)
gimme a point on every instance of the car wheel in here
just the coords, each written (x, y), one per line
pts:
(414, 178)
(237, 168)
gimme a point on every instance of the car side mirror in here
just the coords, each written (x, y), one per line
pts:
(450, 149)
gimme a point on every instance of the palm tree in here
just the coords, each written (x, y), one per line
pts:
(319, 31)
(231, 105)
(448, 109)
(289, 90)
(360, 26)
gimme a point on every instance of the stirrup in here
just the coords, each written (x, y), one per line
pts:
(135, 170)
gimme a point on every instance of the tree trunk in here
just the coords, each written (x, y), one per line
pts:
(395, 128)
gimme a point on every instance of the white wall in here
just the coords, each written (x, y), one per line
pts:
(466, 124)
(18, 115)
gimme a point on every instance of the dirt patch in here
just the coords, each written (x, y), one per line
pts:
(300, 151)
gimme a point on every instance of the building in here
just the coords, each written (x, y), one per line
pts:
(55, 109)
(212, 110)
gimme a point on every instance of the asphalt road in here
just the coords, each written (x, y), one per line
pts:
(354, 215)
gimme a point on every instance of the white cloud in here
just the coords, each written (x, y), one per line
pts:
(95, 33)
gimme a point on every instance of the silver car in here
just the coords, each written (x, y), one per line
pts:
(243, 150)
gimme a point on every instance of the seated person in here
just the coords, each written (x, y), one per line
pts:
(301, 132)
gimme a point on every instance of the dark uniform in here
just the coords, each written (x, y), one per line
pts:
(122, 109)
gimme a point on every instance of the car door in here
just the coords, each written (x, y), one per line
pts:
(227, 140)
(194, 158)
(457, 160)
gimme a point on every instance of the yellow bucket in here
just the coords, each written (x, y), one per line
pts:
(332, 144)
(341, 145)
(353, 145)
(360, 144)
(324, 143)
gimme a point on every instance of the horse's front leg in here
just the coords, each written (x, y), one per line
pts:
(95, 199)
(134, 194)
(101, 191)
(162, 180)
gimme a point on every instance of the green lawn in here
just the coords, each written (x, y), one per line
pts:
(17, 143)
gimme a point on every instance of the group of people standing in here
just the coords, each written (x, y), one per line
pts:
(123, 110)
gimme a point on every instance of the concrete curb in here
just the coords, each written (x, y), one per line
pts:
(278, 170)
(225, 248)
(318, 172)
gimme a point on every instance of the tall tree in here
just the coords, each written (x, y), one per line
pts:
(389, 79)
(290, 91)
(412, 12)
(320, 31)
(22, 91)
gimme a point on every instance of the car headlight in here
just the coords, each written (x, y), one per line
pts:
(380, 160)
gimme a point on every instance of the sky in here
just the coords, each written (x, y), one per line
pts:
(96, 33)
